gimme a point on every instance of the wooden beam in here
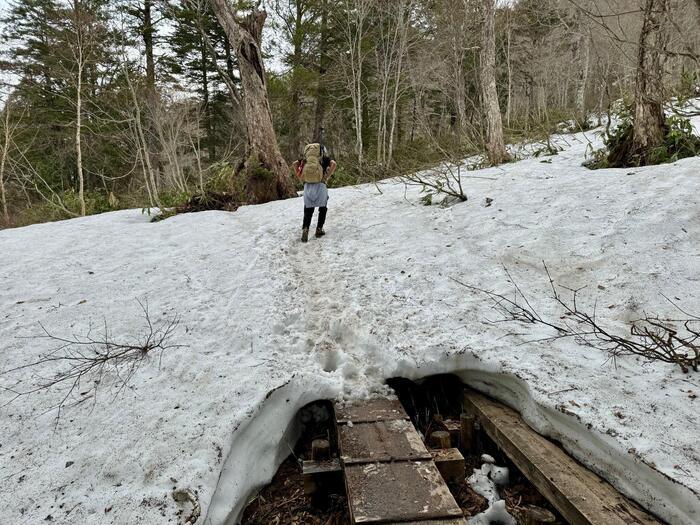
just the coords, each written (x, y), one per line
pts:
(582, 497)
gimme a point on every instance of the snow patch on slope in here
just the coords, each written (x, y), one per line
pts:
(374, 299)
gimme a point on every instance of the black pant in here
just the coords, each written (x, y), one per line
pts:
(309, 213)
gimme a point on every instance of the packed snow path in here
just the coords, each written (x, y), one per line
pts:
(271, 324)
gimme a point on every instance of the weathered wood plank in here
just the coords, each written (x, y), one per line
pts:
(582, 497)
(449, 462)
(317, 475)
(398, 492)
(380, 409)
(455, 521)
(380, 441)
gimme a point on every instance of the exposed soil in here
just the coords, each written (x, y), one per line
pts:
(283, 502)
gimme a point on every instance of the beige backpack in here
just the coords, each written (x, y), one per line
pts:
(313, 171)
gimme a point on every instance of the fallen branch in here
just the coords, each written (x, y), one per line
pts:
(84, 361)
(673, 341)
(442, 181)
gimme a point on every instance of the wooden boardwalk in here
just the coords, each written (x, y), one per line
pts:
(390, 476)
(580, 496)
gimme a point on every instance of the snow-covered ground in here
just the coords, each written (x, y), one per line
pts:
(271, 324)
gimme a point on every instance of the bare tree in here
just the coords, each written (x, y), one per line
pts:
(135, 119)
(80, 51)
(390, 54)
(495, 147)
(245, 36)
(8, 130)
(582, 51)
(354, 26)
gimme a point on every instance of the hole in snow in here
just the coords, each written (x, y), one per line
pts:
(493, 490)
(284, 499)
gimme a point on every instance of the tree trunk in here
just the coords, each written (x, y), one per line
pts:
(458, 55)
(245, 37)
(3, 161)
(206, 106)
(649, 120)
(142, 145)
(509, 100)
(356, 13)
(320, 116)
(298, 41)
(581, 57)
(80, 59)
(148, 47)
(495, 147)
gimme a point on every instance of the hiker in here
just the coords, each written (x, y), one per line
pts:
(314, 170)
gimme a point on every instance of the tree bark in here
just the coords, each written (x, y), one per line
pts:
(457, 64)
(495, 147)
(298, 41)
(582, 55)
(142, 143)
(147, 35)
(79, 54)
(509, 99)
(245, 37)
(320, 115)
(356, 14)
(3, 161)
(206, 106)
(649, 120)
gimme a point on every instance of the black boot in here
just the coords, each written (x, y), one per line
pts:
(321, 221)
(305, 235)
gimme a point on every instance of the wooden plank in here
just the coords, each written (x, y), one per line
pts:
(449, 462)
(318, 475)
(582, 497)
(310, 467)
(380, 409)
(380, 441)
(398, 492)
(454, 521)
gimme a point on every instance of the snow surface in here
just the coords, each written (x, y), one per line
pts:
(271, 324)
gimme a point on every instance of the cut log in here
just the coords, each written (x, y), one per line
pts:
(440, 439)
(454, 428)
(320, 450)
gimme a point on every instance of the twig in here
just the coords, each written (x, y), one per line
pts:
(674, 341)
(84, 361)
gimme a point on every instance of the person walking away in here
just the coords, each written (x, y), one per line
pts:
(314, 170)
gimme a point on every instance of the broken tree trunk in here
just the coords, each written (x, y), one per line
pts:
(245, 37)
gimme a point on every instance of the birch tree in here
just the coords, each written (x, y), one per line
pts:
(354, 26)
(8, 130)
(390, 54)
(80, 52)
